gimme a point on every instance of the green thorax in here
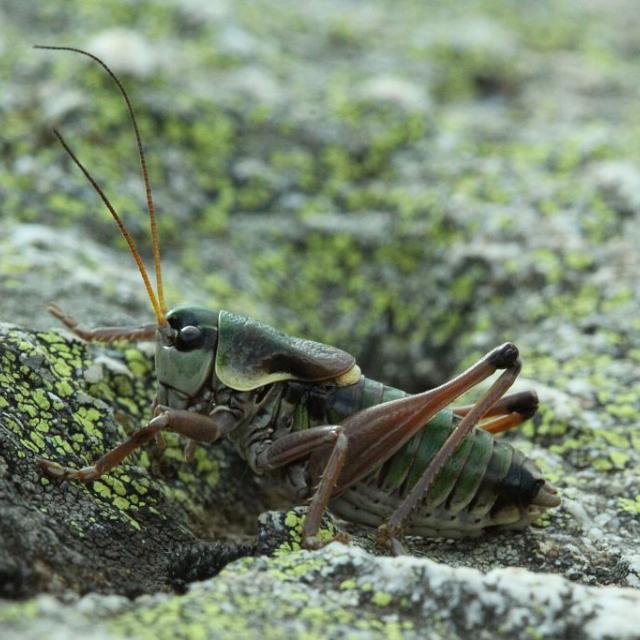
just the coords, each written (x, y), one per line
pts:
(251, 354)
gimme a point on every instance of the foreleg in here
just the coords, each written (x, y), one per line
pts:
(202, 428)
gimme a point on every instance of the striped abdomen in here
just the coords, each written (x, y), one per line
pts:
(486, 482)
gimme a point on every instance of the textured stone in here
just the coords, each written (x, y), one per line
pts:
(487, 196)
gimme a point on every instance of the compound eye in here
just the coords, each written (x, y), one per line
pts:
(189, 338)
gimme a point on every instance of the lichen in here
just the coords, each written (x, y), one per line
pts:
(53, 412)
(473, 195)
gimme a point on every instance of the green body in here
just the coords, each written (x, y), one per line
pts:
(275, 385)
(486, 483)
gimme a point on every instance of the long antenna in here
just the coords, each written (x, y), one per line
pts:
(130, 241)
(143, 163)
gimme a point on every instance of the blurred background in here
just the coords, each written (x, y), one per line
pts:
(414, 182)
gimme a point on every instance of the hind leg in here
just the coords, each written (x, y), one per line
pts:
(525, 403)
(509, 412)
(512, 365)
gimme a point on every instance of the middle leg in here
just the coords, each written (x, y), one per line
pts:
(299, 444)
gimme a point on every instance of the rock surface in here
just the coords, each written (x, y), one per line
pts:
(346, 592)
(414, 186)
(131, 531)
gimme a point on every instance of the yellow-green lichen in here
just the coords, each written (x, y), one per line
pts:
(88, 418)
(348, 584)
(508, 160)
(294, 523)
(381, 599)
(630, 505)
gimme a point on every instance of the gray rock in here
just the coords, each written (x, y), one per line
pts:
(125, 51)
(342, 591)
(503, 208)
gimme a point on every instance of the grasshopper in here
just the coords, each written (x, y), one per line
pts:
(305, 419)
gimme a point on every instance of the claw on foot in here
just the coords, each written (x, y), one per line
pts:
(56, 470)
(388, 539)
(51, 468)
(315, 542)
(161, 442)
(190, 450)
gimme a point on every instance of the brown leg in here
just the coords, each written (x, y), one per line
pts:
(511, 411)
(190, 450)
(187, 423)
(341, 456)
(324, 490)
(503, 423)
(525, 403)
(104, 334)
(377, 433)
(496, 391)
(299, 444)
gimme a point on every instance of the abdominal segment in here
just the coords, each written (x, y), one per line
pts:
(486, 484)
